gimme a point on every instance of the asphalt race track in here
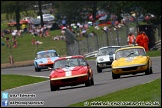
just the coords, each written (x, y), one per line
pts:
(104, 84)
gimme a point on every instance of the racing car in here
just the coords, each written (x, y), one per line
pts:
(105, 57)
(70, 71)
(45, 59)
(131, 60)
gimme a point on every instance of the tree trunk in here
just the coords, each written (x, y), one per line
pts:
(40, 12)
(94, 10)
(18, 18)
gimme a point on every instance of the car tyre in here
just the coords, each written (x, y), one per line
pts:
(151, 70)
(37, 69)
(88, 82)
(148, 71)
(53, 88)
(115, 76)
(99, 70)
(92, 81)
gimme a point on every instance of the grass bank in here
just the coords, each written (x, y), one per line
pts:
(148, 94)
(11, 81)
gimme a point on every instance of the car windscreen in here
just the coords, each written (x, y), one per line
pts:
(69, 63)
(132, 52)
(46, 55)
(107, 51)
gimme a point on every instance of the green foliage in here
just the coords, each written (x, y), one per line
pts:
(73, 9)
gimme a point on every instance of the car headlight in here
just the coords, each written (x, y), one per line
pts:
(101, 59)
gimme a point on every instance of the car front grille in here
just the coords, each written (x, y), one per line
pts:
(69, 80)
(129, 68)
(111, 59)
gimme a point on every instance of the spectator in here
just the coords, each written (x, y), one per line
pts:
(48, 32)
(19, 33)
(139, 39)
(63, 22)
(145, 41)
(14, 42)
(33, 41)
(105, 28)
(41, 32)
(2, 34)
(14, 33)
(83, 32)
(7, 39)
(44, 30)
(131, 39)
(38, 42)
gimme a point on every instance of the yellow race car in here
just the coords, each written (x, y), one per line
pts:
(131, 60)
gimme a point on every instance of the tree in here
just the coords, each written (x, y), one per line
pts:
(40, 12)
(14, 7)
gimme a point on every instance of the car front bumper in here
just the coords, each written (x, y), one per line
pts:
(69, 81)
(45, 66)
(105, 64)
(130, 69)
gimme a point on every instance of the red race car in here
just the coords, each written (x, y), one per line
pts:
(70, 71)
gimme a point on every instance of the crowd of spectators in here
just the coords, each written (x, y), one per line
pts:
(79, 29)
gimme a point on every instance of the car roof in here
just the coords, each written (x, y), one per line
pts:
(129, 47)
(110, 47)
(68, 57)
(46, 51)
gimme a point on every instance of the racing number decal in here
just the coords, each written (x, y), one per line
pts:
(68, 73)
(129, 59)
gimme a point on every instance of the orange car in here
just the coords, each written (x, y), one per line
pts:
(13, 23)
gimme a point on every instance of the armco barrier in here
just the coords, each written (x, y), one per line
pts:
(93, 54)
(158, 45)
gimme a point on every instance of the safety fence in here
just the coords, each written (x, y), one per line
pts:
(94, 53)
(112, 37)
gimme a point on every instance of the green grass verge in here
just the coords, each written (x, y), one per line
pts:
(11, 81)
(154, 53)
(149, 92)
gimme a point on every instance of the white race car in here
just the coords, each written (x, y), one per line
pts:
(105, 57)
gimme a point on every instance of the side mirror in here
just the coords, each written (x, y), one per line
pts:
(35, 58)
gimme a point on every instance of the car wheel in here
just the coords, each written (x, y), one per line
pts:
(151, 70)
(36, 70)
(115, 76)
(147, 72)
(92, 81)
(88, 82)
(53, 88)
(99, 70)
